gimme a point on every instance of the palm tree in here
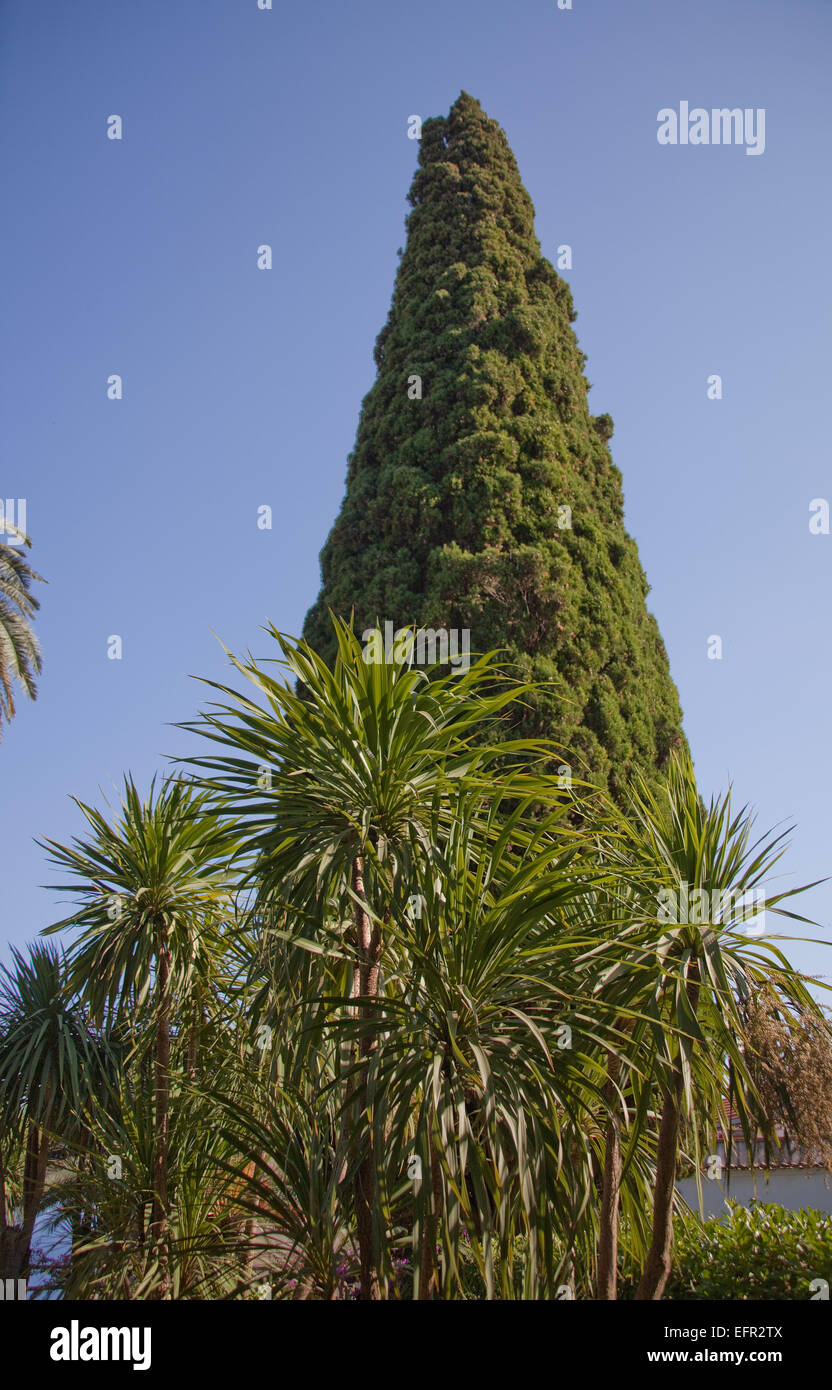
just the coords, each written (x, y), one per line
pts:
(688, 971)
(333, 797)
(154, 889)
(113, 1254)
(490, 1064)
(469, 1074)
(49, 1063)
(20, 657)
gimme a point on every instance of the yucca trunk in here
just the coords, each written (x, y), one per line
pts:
(194, 1032)
(658, 1265)
(365, 984)
(428, 1282)
(610, 1193)
(16, 1241)
(158, 1220)
(13, 1253)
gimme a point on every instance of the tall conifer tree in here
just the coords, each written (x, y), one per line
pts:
(481, 492)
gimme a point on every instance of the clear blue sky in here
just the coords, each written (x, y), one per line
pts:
(242, 387)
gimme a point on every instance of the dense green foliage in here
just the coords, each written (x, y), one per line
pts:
(348, 1012)
(454, 510)
(759, 1252)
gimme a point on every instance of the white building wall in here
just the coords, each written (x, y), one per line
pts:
(794, 1188)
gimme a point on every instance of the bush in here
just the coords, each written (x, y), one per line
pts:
(759, 1252)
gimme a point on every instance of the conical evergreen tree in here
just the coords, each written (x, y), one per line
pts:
(490, 501)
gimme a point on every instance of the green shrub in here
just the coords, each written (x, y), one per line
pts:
(759, 1252)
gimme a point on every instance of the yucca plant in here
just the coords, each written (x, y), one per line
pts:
(284, 1162)
(489, 1061)
(50, 1064)
(153, 889)
(602, 917)
(105, 1189)
(688, 962)
(332, 786)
